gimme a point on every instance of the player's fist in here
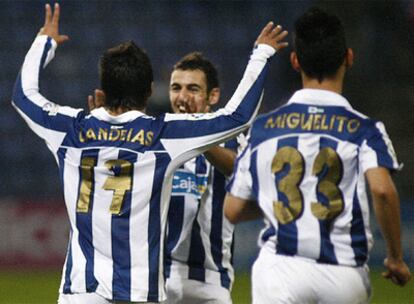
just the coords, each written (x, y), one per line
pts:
(272, 35)
(51, 26)
(397, 272)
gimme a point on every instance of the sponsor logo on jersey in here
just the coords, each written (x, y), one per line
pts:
(51, 108)
(188, 183)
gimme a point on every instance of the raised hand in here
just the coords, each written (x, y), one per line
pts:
(397, 271)
(272, 35)
(51, 26)
(97, 101)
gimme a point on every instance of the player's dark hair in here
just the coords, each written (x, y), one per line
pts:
(196, 61)
(126, 76)
(319, 42)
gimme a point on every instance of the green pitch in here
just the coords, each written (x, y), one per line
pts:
(41, 288)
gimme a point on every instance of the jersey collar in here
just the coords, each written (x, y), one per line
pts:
(319, 98)
(102, 114)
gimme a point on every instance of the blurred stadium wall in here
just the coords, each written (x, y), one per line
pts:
(33, 223)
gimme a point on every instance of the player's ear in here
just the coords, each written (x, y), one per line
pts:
(214, 96)
(294, 61)
(349, 58)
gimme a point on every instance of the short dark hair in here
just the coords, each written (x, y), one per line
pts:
(319, 42)
(126, 76)
(196, 61)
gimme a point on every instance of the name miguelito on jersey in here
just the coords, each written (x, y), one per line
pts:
(313, 122)
(141, 136)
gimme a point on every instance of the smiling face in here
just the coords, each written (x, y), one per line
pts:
(188, 92)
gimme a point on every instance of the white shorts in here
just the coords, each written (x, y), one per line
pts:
(89, 298)
(284, 279)
(185, 291)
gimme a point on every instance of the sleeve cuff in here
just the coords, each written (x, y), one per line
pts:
(265, 49)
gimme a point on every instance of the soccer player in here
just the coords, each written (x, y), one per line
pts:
(117, 163)
(304, 169)
(199, 237)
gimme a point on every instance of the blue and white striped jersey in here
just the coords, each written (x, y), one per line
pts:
(199, 236)
(305, 165)
(117, 173)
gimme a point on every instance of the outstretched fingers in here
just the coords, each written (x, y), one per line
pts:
(48, 14)
(267, 29)
(56, 15)
(273, 35)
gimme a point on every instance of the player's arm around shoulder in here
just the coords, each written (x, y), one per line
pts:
(387, 210)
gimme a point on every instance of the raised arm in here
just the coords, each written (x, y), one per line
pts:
(202, 131)
(45, 118)
(387, 210)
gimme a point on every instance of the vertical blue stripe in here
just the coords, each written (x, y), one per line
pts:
(84, 226)
(175, 226)
(287, 234)
(46, 49)
(61, 154)
(216, 239)
(69, 262)
(269, 232)
(154, 226)
(121, 251)
(197, 253)
(254, 175)
(359, 242)
(327, 252)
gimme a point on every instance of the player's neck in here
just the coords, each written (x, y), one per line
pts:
(122, 110)
(324, 85)
(334, 83)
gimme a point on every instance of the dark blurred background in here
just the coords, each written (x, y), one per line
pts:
(380, 84)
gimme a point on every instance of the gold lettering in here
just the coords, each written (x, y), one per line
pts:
(331, 125)
(129, 134)
(150, 136)
(90, 134)
(103, 134)
(269, 123)
(280, 121)
(123, 135)
(306, 125)
(341, 120)
(114, 134)
(139, 137)
(324, 126)
(81, 139)
(293, 120)
(353, 125)
(317, 122)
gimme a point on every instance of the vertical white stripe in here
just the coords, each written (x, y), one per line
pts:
(102, 224)
(138, 228)
(71, 184)
(341, 232)
(266, 180)
(309, 241)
